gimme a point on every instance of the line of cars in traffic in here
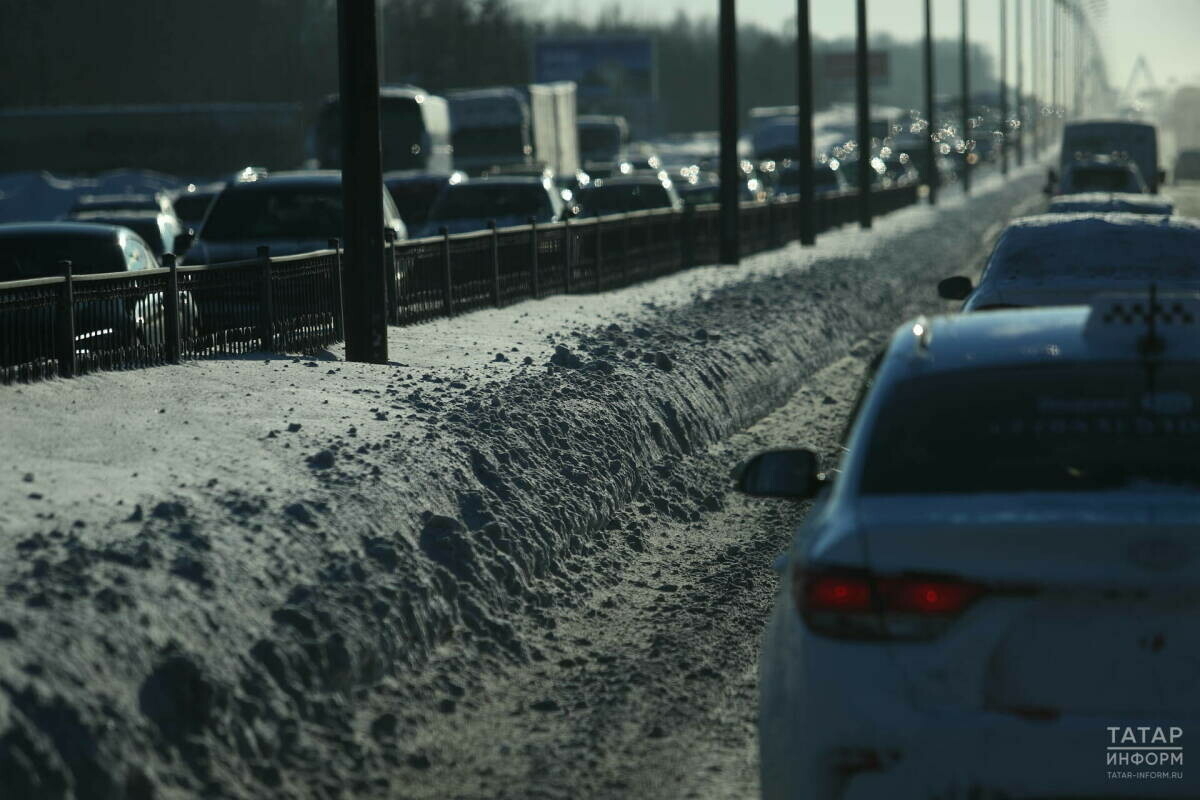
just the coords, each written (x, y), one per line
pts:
(1003, 569)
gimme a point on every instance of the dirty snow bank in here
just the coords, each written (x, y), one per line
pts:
(211, 569)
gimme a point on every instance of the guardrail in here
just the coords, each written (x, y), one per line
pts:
(72, 324)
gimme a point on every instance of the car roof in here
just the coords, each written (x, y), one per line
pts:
(1108, 331)
(1110, 201)
(79, 230)
(629, 180)
(1056, 225)
(298, 178)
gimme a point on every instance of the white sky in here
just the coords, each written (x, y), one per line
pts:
(1164, 31)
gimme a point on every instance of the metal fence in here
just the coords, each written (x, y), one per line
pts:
(69, 325)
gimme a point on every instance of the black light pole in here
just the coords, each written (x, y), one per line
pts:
(1004, 126)
(362, 183)
(863, 79)
(730, 168)
(1021, 115)
(966, 100)
(1055, 55)
(804, 102)
(932, 177)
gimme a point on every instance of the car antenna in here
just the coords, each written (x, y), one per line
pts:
(1151, 345)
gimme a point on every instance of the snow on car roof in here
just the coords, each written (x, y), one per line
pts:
(1097, 247)
(1105, 202)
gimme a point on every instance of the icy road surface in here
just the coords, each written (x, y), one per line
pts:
(505, 565)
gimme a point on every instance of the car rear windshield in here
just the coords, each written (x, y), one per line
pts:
(414, 199)
(1094, 249)
(1103, 179)
(620, 198)
(26, 257)
(1048, 428)
(480, 201)
(308, 213)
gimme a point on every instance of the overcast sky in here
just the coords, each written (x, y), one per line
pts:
(1166, 32)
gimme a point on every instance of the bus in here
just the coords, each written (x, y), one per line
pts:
(414, 125)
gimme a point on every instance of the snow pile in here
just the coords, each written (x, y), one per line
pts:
(213, 570)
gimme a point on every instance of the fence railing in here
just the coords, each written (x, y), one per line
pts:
(73, 324)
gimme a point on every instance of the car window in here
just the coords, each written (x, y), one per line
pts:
(1047, 427)
(284, 213)
(483, 201)
(38, 255)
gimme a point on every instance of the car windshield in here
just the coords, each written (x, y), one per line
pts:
(414, 199)
(620, 198)
(37, 256)
(481, 201)
(1103, 179)
(402, 128)
(1093, 249)
(307, 213)
(1042, 428)
(145, 227)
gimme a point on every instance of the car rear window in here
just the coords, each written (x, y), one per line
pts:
(619, 198)
(481, 201)
(308, 213)
(415, 198)
(1045, 428)
(1099, 179)
(26, 257)
(1096, 249)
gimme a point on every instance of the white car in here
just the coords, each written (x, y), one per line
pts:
(996, 594)
(1064, 259)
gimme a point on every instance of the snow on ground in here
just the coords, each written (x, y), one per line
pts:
(232, 577)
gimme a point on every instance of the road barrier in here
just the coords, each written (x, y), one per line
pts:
(73, 324)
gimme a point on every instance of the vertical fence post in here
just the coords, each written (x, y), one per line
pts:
(626, 244)
(339, 313)
(495, 263)
(266, 301)
(171, 308)
(535, 279)
(65, 318)
(1022, 116)
(568, 255)
(1005, 128)
(599, 250)
(447, 278)
(687, 238)
(965, 66)
(389, 277)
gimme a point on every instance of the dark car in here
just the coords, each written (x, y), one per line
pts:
(470, 205)
(703, 188)
(163, 232)
(289, 212)
(826, 179)
(628, 193)
(36, 250)
(415, 192)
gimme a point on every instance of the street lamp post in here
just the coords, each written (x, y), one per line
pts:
(730, 166)
(804, 101)
(864, 119)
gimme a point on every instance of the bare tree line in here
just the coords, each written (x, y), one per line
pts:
(62, 52)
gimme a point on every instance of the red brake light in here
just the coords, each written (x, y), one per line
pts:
(839, 593)
(858, 605)
(925, 596)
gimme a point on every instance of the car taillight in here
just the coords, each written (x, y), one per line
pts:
(854, 604)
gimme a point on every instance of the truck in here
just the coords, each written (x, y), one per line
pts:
(414, 126)
(509, 129)
(1119, 140)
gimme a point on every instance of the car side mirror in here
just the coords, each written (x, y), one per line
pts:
(956, 288)
(784, 474)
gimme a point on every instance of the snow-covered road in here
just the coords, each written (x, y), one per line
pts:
(298, 577)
